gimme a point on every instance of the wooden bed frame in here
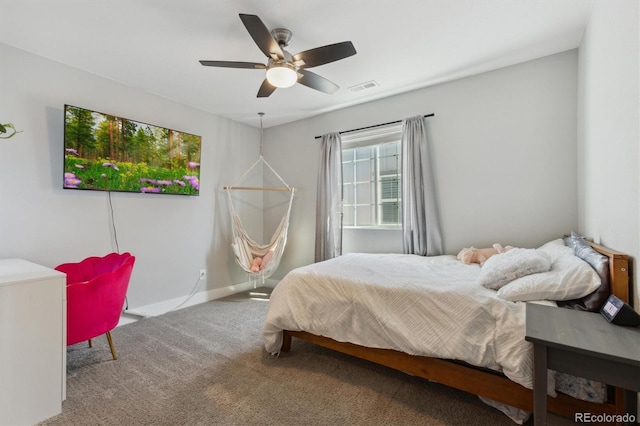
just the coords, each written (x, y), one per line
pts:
(483, 382)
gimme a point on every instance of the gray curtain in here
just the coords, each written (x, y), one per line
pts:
(329, 203)
(420, 218)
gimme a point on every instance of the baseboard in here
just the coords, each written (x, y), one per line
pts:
(160, 308)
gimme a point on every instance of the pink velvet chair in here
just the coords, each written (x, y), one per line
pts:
(96, 290)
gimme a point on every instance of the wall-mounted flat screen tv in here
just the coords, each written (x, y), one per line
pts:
(109, 153)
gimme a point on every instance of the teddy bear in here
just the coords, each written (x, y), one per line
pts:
(256, 264)
(259, 263)
(480, 255)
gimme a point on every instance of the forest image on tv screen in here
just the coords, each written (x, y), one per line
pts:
(109, 153)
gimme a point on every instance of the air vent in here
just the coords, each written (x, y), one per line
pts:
(364, 86)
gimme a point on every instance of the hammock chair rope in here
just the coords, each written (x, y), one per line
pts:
(245, 249)
(258, 161)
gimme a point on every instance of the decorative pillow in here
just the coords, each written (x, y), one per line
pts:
(568, 239)
(600, 263)
(503, 268)
(569, 278)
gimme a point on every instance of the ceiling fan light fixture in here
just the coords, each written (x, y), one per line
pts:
(282, 75)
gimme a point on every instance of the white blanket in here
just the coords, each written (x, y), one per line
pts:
(430, 306)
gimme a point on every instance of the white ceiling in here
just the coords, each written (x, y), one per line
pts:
(155, 45)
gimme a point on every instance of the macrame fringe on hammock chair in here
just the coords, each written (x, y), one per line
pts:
(260, 261)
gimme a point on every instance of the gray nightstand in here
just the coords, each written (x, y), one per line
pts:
(583, 344)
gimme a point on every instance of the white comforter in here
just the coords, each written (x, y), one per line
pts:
(428, 306)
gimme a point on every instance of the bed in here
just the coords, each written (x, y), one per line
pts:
(352, 304)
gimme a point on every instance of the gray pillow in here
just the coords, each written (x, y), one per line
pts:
(600, 263)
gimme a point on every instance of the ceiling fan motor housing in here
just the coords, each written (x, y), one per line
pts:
(282, 35)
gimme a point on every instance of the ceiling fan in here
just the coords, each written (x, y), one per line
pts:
(282, 68)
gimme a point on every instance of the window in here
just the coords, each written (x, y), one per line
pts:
(371, 180)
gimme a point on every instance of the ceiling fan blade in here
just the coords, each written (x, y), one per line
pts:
(266, 89)
(262, 36)
(314, 81)
(325, 54)
(231, 64)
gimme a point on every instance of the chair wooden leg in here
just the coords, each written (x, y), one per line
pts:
(113, 350)
(90, 343)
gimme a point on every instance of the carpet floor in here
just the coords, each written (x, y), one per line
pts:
(205, 365)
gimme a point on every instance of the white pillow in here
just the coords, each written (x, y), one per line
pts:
(555, 249)
(500, 269)
(569, 278)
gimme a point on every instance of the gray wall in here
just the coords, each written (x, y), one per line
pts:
(609, 134)
(522, 154)
(504, 150)
(173, 237)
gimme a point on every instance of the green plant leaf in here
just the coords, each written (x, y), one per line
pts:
(3, 130)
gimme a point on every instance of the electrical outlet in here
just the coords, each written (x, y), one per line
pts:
(203, 273)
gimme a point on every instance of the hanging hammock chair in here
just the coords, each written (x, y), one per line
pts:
(259, 260)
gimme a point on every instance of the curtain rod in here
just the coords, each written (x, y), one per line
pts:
(375, 125)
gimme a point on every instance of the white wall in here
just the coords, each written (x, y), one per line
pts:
(608, 123)
(504, 150)
(172, 237)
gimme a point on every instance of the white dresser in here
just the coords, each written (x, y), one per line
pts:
(33, 334)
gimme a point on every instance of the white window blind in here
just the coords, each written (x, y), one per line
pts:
(371, 177)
